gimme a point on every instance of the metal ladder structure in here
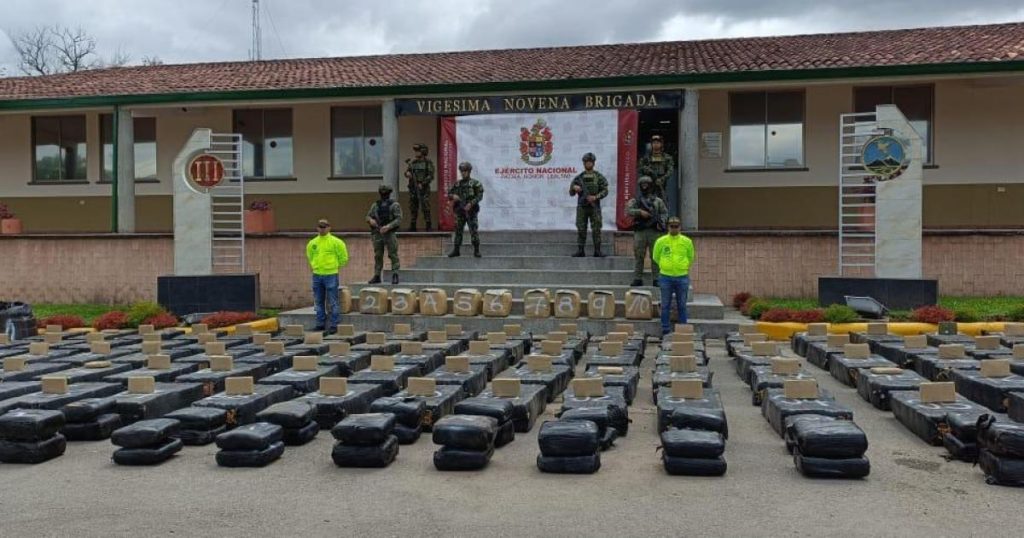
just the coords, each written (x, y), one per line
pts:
(227, 202)
(857, 189)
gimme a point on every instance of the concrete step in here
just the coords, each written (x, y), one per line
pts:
(619, 263)
(536, 278)
(522, 249)
(539, 236)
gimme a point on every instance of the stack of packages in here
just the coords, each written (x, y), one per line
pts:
(91, 419)
(366, 440)
(30, 436)
(199, 425)
(569, 447)
(500, 410)
(827, 447)
(147, 442)
(253, 445)
(608, 419)
(695, 449)
(296, 418)
(1001, 451)
(408, 412)
(467, 442)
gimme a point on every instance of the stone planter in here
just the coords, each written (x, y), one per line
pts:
(259, 222)
(10, 226)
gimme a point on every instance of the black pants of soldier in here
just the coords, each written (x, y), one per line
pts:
(591, 214)
(461, 221)
(380, 242)
(419, 198)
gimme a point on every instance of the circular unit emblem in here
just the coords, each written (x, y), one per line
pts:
(206, 171)
(885, 157)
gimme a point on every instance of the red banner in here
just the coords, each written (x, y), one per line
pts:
(447, 173)
(626, 141)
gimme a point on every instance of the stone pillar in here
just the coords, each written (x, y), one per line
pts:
(125, 171)
(898, 219)
(193, 234)
(390, 141)
(689, 157)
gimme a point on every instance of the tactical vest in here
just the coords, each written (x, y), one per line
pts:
(384, 212)
(648, 206)
(657, 164)
(420, 170)
(590, 188)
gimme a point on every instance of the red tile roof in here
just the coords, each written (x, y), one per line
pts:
(769, 56)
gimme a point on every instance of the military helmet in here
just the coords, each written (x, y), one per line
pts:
(419, 147)
(588, 156)
(644, 179)
(465, 165)
(384, 189)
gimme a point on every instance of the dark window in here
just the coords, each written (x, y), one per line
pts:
(144, 130)
(915, 102)
(766, 129)
(58, 148)
(266, 141)
(356, 148)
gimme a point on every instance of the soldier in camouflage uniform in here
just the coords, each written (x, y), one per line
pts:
(658, 165)
(649, 214)
(384, 217)
(420, 173)
(466, 195)
(590, 187)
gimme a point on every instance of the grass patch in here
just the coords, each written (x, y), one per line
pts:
(88, 312)
(987, 308)
(795, 303)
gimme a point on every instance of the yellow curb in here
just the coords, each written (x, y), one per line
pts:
(785, 330)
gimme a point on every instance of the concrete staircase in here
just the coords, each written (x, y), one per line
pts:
(520, 261)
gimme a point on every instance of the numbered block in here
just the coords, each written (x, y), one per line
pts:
(601, 304)
(497, 303)
(639, 304)
(403, 301)
(467, 302)
(567, 304)
(433, 302)
(537, 303)
(373, 301)
(345, 299)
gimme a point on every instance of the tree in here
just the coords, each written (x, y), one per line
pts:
(152, 60)
(47, 50)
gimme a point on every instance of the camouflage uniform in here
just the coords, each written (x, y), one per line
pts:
(420, 172)
(386, 215)
(658, 167)
(646, 231)
(593, 183)
(468, 190)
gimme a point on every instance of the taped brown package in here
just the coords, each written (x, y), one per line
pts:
(243, 330)
(39, 348)
(100, 348)
(497, 303)
(54, 384)
(199, 328)
(680, 337)
(682, 364)
(537, 303)
(817, 329)
(479, 347)
(1013, 329)
(422, 386)
(455, 329)
(404, 301)
(437, 337)
(616, 336)
(856, 351)
(412, 348)
(206, 338)
(344, 300)
(433, 302)
(402, 329)
(952, 351)
(800, 389)
(883, 370)
(628, 328)
(158, 362)
(339, 348)
(152, 337)
(305, 363)
(273, 348)
(682, 348)
(52, 338)
(878, 329)
(569, 328)
(995, 368)
(94, 337)
(688, 389)
(373, 301)
(752, 338)
(746, 329)
(588, 387)
(376, 339)
(558, 336)
(539, 363)
(551, 347)
(683, 328)
(1018, 351)
(785, 366)
(313, 338)
(496, 339)
(917, 341)
(57, 329)
(466, 302)
(146, 329)
(346, 329)
(215, 348)
(260, 339)
(96, 364)
(14, 364)
(938, 392)
(764, 349)
(382, 363)
(511, 329)
(238, 386)
(141, 385)
(601, 304)
(837, 340)
(567, 305)
(639, 304)
(4, 339)
(333, 386)
(611, 349)
(151, 348)
(506, 388)
(221, 363)
(987, 343)
(458, 363)
(609, 370)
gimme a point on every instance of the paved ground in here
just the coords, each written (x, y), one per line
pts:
(912, 490)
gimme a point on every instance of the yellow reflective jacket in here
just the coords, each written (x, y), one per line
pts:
(673, 254)
(326, 254)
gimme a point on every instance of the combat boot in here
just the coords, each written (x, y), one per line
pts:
(430, 227)
(394, 278)
(579, 252)
(454, 253)
(375, 279)
(598, 253)
(476, 250)
(636, 282)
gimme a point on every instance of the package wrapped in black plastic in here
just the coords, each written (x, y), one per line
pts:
(568, 438)
(458, 459)
(1015, 407)
(390, 381)
(831, 467)
(692, 443)
(965, 426)
(268, 364)
(331, 409)
(663, 376)
(819, 353)
(991, 392)
(705, 413)
(506, 434)
(302, 435)
(1001, 438)
(472, 382)
(762, 379)
(930, 420)
(605, 417)
(44, 400)
(200, 437)
(745, 362)
(588, 464)
(242, 408)
(847, 370)
(613, 396)
(629, 380)
(498, 409)
(199, 418)
(302, 381)
(169, 375)
(530, 404)
(95, 430)
(626, 358)
(776, 408)
(407, 411)
(608, 438)
(367, 456)
(427, 361)
(935, 369)
(789, 435)
(213, 380)
(255, 436)
(148, 456)
(495, 361)
(439, 404)
(556, 380)
(88, 409)
(32, 451)
(348, 363)
(875, 388)
(1001, 470)
(408, 435)
(800, 341)
(827, 438)
(166, 397)
(900, 354)
(368, 429)
(694, 466)
(960, 449)
(145, 433)
(466, 432)
(30, 424)
(290, 414)
(250, 458)
(13, 389)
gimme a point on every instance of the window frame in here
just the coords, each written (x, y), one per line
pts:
(263, 136)
(930, 142)
(103, 143)
(764, 167)
(34, 180)
(330, 143)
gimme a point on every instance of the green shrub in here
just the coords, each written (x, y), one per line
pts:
(756, 307)
(966, 315)
(1016, 313)
(840, 313)
(141, 311)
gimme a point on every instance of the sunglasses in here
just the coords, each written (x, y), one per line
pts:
(673, 225)
(322, 226)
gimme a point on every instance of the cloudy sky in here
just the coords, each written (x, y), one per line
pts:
(179, 31)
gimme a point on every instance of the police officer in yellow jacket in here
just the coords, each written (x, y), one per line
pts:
(326, 255)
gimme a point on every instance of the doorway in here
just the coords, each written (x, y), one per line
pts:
(664, 122)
